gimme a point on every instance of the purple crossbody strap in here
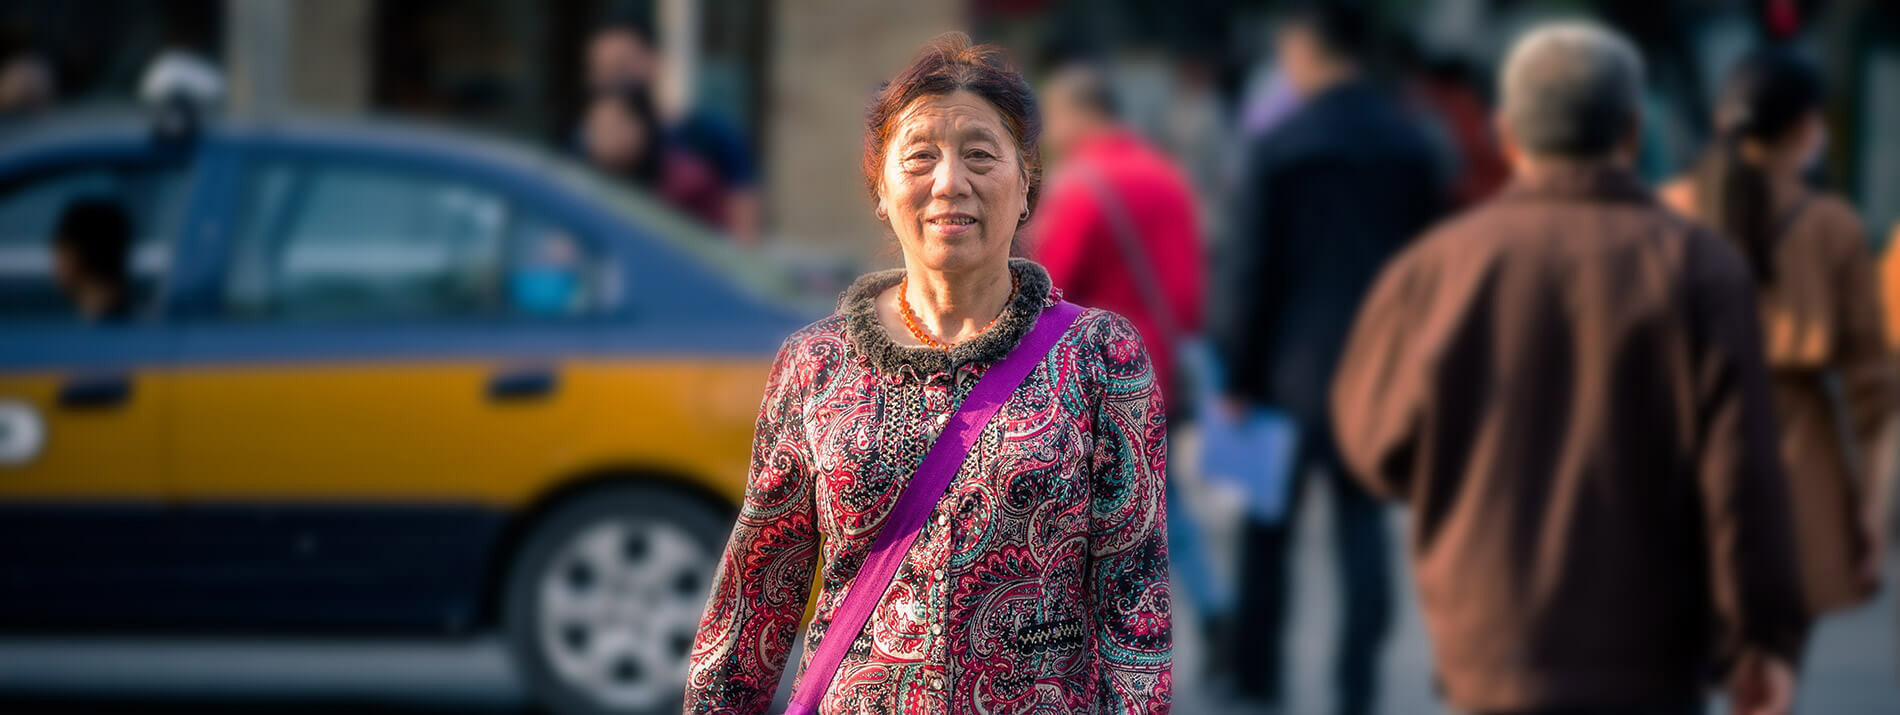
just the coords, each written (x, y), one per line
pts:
(926, 488)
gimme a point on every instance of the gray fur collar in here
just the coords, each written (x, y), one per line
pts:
(869, 340)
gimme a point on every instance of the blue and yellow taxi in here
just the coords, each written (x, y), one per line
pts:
(375, 379)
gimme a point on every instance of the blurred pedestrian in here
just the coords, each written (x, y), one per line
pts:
(622, 54)
(26, 86)
(1567, 385)
(1197, 131)
(1835, 380)
(1448, 88)
(1038, 579)
(1328, 195)
(1266, 101)
(1117, 230)
(1890, 285)
(623, 140)
(91, 245)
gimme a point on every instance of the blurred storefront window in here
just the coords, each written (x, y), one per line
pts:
(516, 65)
(94, 61)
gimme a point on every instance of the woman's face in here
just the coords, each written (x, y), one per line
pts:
(1807, 144)
(616, 139)
(953, 183)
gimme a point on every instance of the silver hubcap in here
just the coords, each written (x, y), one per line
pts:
(619, 605)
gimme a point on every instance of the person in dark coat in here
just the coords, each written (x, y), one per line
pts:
(1567, 386)
(1327, 196)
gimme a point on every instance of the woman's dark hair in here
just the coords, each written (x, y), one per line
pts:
(637, 101)
(1768, 94)
(946, 65)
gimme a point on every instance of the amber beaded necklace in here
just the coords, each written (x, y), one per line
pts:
(910, 318)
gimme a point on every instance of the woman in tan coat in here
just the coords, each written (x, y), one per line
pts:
(1834, 376)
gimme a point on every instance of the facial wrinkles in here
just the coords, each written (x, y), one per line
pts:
(952, 155)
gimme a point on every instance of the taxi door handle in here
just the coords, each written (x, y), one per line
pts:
(94, 391)
(521, 384)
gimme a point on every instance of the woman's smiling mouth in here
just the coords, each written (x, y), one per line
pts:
(952, 224)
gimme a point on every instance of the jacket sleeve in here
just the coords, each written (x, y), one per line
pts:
(1127, 576)
(1379, 388)
(759, 592)
(1744, 492)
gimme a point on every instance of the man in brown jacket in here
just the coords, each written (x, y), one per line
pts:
(1566, 385)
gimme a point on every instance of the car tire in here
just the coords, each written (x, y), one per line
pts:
(604, 597)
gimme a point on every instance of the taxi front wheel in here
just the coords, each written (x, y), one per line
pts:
(605, 597)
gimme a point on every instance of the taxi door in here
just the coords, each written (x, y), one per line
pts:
(83, 402)
(378, 379)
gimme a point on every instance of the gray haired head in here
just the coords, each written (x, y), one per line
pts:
(1571, 89)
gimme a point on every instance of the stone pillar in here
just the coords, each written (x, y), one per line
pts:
(308, 55)
(679, 38)
(827, 57)
(331, 70)
(256, 50)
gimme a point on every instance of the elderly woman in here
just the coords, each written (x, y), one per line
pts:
(1037, 579)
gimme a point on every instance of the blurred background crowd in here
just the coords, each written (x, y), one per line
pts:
(492, 151)
(768, 96)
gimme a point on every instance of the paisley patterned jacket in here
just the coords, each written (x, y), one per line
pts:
(1040, 583)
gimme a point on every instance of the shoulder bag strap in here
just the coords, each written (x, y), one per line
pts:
(926, 488)
(1140, 264)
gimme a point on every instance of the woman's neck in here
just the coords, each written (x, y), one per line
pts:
(953, 307)
(1786, 170)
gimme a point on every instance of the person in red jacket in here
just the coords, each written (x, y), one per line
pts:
(1111, 181)
(1117, 230)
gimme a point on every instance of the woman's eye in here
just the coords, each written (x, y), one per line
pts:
(980, 154)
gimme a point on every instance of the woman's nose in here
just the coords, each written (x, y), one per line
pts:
(950, 180)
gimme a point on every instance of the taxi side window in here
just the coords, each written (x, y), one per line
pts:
(150, 196)
(554, 273)
(330, 242)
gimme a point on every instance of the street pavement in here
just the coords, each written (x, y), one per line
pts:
(1851, 668)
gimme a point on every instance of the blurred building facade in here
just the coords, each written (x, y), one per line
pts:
(794, 75)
